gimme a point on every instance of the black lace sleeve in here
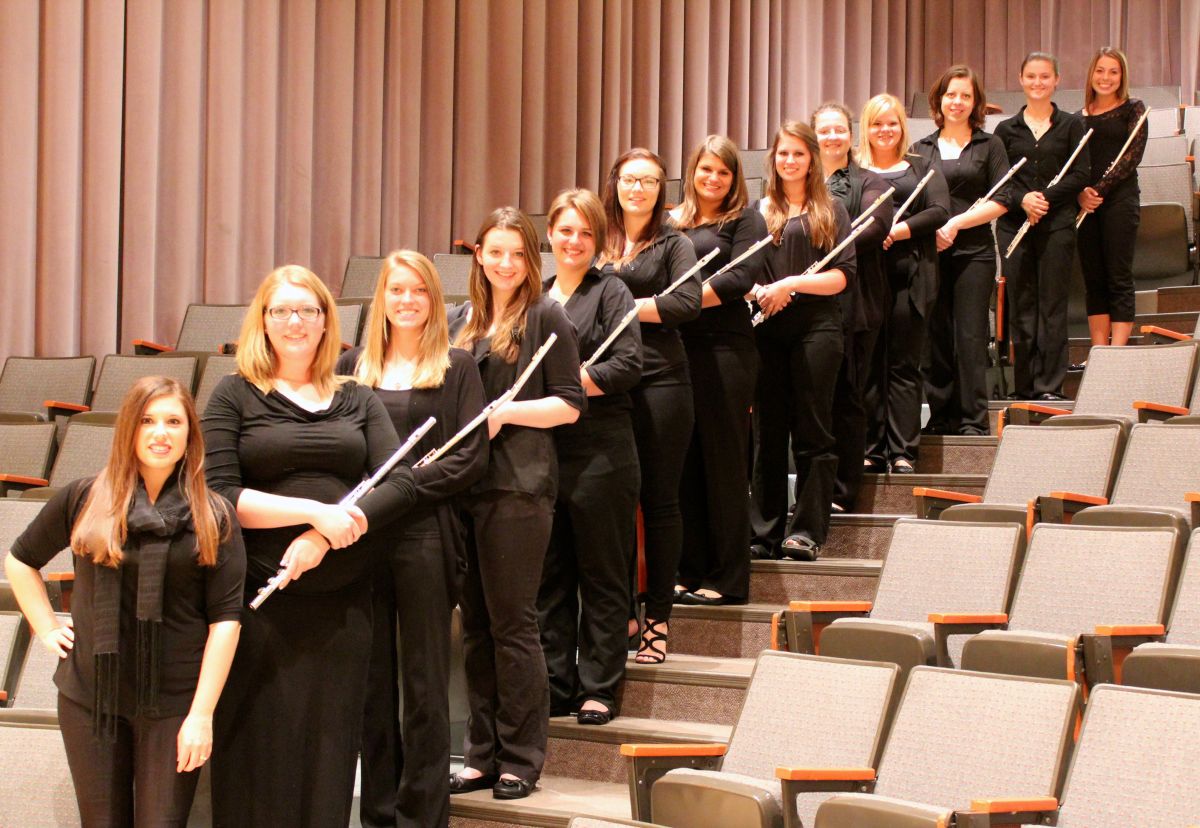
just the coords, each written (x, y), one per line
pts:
(1127, 164)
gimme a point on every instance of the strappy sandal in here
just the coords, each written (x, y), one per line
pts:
(800, 548)
(648, 653)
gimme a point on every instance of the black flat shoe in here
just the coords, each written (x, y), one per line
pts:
(677, 595)
(874, 467)
(513, 788)
(903, 466)
(464, 784)
(800, 548)
(695, 599)
(594, 717)
(762, 552)
(1050, 396)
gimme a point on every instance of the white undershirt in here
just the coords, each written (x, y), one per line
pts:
(950, 150)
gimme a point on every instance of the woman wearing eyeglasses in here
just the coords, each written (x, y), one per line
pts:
(287, 439)
(648, 257)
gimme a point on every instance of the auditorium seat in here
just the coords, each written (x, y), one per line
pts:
(216, 367)
(118, 373)
(1163, 336)
(59, 575)
(14, 638)
(918, 128)
(34, 691)
(538, 220)
(351, 313)
(1032, 461)
(455, 272)
(1076, 582)
(362, 272)
(1161, 256)
(37, 789)
(205, 329)
(756, 163)
(930, 567)
(1169, 183)
(673, 188)
(799, 710)
(26, 449)
(1164, 149)
(1163, 122)
(27, 382)
(960, 738)
(549, 265)
(1164, 97)
(754, 189)
(83, 452)
(598, 822)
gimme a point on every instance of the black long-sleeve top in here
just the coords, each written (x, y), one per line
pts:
(652, 271)
(595, 309)
(865, 301)
(523, 459)
(796, 252)
(1112, 129)
(730, 320)
(930, 210)
(194, 596)
(1046, 157)
(268, 443)
(983, 162)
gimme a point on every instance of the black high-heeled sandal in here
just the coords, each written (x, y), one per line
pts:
(647, 652)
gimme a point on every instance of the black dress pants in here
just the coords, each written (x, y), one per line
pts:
(507, 689)
(1106, 240)
(850, 415)
(894, 425)
(662, 426)
(404, 766)
(131, 780)
(956, 387)
(800, 353)
(1037, 275)
(584, 599)
(715, 492)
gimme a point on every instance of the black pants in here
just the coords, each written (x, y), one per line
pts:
(662, 425)
(507, 689)
(1106, 239)
(800, 353)
(895, 386)
(714, 495)
(584, 599)
(850, 416)
(956, 386)
(404, 768)
(1037, 275)
(131, 780)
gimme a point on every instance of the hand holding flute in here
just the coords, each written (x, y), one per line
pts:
(899, 232)
(948, 232)
(1083, 213)
(1045, 207)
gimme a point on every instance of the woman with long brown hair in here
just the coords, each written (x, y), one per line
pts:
(158, 594)
(511, 509)
(648, 257)
(799, 348)
(287, 440)
(408, 360)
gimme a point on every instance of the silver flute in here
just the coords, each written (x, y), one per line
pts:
(861, 217)
(1065, 167)
(912, 197)
(1124, 148)
(352, 497)
(986, 197)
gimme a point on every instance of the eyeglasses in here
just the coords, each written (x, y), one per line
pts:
(307, 313)
(648, 182)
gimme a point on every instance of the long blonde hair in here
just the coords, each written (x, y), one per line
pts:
(735, 200)
(872, 109)
(510, 327)
(101, 531)
(256, 357)
(433, 352)
(822, 223)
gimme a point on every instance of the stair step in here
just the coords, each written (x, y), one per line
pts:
(892, 493)
(686, 687)
(1178, 299)
(556, 800)
(727, 631)
(854, 535)
(589, 752)
(832, 579)
(956, 454)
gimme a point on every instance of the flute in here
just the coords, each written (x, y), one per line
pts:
(912, 197)
(750, 251)
(487, 411)
(627, 318)
(1067, 166)
(988, 195)
(1124, 148)
(817, 267)
(861, 217)
(351, 498)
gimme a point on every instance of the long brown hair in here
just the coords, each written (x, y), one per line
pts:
(510, 327)
(822, 223)
(100, 531)
(433, 357)
(735, 200)
(978, 116)
(1089, 92)
(614, 245)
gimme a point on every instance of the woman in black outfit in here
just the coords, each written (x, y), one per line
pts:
(287, 439)
(158, 594)
(1106, 237)
(723, 365)
(972, 161)
(910, 259)
(512, 508)
(865, 300)
(1037, 272)
(799, 347)
(648, 257)
(408, 360)
(584, 599)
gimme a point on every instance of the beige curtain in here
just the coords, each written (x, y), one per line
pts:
(155, 153)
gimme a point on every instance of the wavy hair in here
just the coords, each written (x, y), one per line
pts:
(614, 244)
(822, 223)
(734, 201)
(1089, 93)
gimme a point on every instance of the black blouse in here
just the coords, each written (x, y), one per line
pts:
(194, 596)
(915, 259)
(795, 253)
(731, 318)
(652, 271)
(866, 299)
(982, 163)
(1112, 129)
(1046, 157)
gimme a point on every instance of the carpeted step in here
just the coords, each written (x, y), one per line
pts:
(828, 579)
(892, 493)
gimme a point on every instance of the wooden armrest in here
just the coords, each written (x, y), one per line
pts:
(22, 480)
(1005, 806)
(1145, 405)
(968, 618)
(825, 774)
(3, 695)
(1116, 630)
(830, 606)
(142, 346)
(66, 406)
(1192, 497)
(61, 577)
(1040, 409)
(1076, 497)
(946, 494)
(698, 749)
(1154, 330)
